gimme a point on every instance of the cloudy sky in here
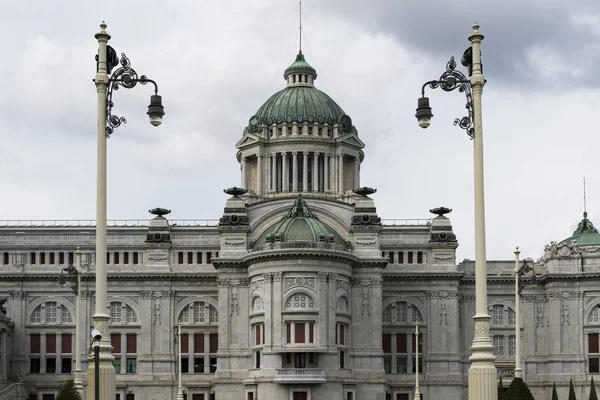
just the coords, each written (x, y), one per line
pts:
(217, 61)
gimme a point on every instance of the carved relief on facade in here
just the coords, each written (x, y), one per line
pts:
(157, 315)
(342, 305)
(564, 314)
(235, 306)
(365, 301)
(593, 317)
(341, 285)
(558, 250)
(301, 281)
(257, 286)
(443, 313)
(258, 305)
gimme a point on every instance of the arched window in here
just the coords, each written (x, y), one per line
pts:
(399, 341)
(299, 301)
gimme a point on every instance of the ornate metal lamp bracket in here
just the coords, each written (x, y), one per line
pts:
(125, 77)
(450, 80)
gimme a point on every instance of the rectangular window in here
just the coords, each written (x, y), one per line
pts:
(401, 396)
(185, 365)
(594, 365)
(342, 335)
(288, 332)
(117, 259)
(126, 257)
(190, 257)
(35, 343)
(66, 364)
(180, 257)
(51, 343)
(199, 343)
(593, 343)
(414, 367)
(130, 396)
(34, 365)
(107, 258)
(401, 343)
(257, 359)
(50, 365)
(250, 396)
(42, 258)
(131, 365)
(117, 365)
(52, 258)
(400, 257)
(213, 364)
(214, 342)
(61, 258)
(32, 396)
(66, 343)
(419, 257)
(311, 358)
(342, 359)
(401, 367)
(387, 343)
(47, 397)
(391, 260)
(257, 334)
(300, 396)
(349, 396)
(388, 396)
(115, 342)
(70, 257)
(32, 258)
(209, 257)
(199, 257)
(131, 343)
(410, 257)
(136, 257)
(311, 333)
(299, 336)
(185, 343)
(198, 396)
(299, 360)
(199, 365)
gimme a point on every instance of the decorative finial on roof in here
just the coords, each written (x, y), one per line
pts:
(585, 226)
(159, 211)
(440, 211)
(235, 191)
(584, 201)
(300, 210)
(300, 3)
(364, 191)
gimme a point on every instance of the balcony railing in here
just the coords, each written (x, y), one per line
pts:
(406, 222)
(39, 223)
(299, 375)
(300, 245)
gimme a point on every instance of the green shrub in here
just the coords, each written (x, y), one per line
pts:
(554, 394)
(68, 391)
(517, 390)
(571, 390)
(593, 395)
(500, 389)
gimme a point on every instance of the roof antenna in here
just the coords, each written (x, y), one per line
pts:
(300, 25)
(584, 201)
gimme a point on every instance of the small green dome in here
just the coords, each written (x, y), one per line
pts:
(300, 66)
(585, 234)
(299, 225)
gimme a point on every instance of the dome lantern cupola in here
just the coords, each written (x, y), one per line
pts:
(300, 73)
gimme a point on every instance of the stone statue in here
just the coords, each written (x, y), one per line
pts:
(2, 306)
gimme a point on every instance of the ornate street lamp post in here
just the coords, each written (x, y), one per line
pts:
(125, 77)
(482, 373)
(519, 272)
(417, 392)
(74, 274)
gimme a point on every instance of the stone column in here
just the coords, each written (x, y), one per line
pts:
(356, 172)
(42, 353)
(326, 172)
(295, 171)
(325, 340)
(315, 177)
(331, 282)
(268, 312)
(3, 338)
(244, 177)
(341, 173)
(259, 183)
(268, 180)
(276, 300)
(274, 172)
(305, 171)
(285, 181)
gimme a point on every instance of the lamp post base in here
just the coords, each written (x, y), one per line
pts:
(180, 394)
(483, 375)
(108, 377)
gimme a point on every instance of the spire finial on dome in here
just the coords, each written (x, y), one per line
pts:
(300, 210)
(584, 201)
(300, 4)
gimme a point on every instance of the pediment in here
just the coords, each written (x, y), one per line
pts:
(248, 139)
(352, 140)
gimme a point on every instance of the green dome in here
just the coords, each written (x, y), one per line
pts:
(300, 102)
(299, 225)
(585, 234)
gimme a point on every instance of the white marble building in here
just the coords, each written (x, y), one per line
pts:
(299, 291)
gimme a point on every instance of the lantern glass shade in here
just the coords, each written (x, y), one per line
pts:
(424, 112)
(155, 110)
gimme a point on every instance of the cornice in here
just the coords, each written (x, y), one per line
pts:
(178, 276)
(423, 275)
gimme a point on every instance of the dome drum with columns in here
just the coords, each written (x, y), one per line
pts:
(312, 145)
